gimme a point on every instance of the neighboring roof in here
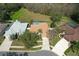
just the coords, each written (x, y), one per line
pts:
(73, 37)
(68, 29)
(17, 27)
(72, 24)
(42, 53)
(71, 33)
(2, 27)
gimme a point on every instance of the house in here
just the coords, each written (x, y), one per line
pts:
(71, 31)
(35, 27)
(16, 28)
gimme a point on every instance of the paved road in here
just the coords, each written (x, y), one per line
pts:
(38, 53)
(5, 46)
(45, 45)
(42, 53)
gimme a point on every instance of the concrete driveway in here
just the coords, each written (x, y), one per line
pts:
(61, 47)
(5, 46)
(45, 43)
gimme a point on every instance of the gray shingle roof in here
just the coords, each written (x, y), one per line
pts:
(2, 27)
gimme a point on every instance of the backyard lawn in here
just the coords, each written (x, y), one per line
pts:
(25, 15)
(63, 20)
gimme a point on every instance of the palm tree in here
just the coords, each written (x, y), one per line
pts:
(29, 39)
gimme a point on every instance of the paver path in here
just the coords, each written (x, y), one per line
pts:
(45, 44)
(37, 46)
(5, 46)
(17, 47)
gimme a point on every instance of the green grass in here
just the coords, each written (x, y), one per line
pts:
(17, 43)
(39, 43)
(63, 21)
(20, 43)
(21, 15)
(1, 40)
(25, 49)
(69, 52)
(54, 40)
(25, 15)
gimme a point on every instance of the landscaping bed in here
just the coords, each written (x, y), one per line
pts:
(69, 52)
(73, 50)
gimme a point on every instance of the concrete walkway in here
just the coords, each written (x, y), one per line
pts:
(5, 46)
(61, 47)
(45, 45)
(17, 47)
(37, 46)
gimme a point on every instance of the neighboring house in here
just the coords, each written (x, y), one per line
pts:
(16, 28)
(71, 31)
(3, 26)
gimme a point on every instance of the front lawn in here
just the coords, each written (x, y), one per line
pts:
(20, 43)
(28, 40)
(17, 42)
(54, 40)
